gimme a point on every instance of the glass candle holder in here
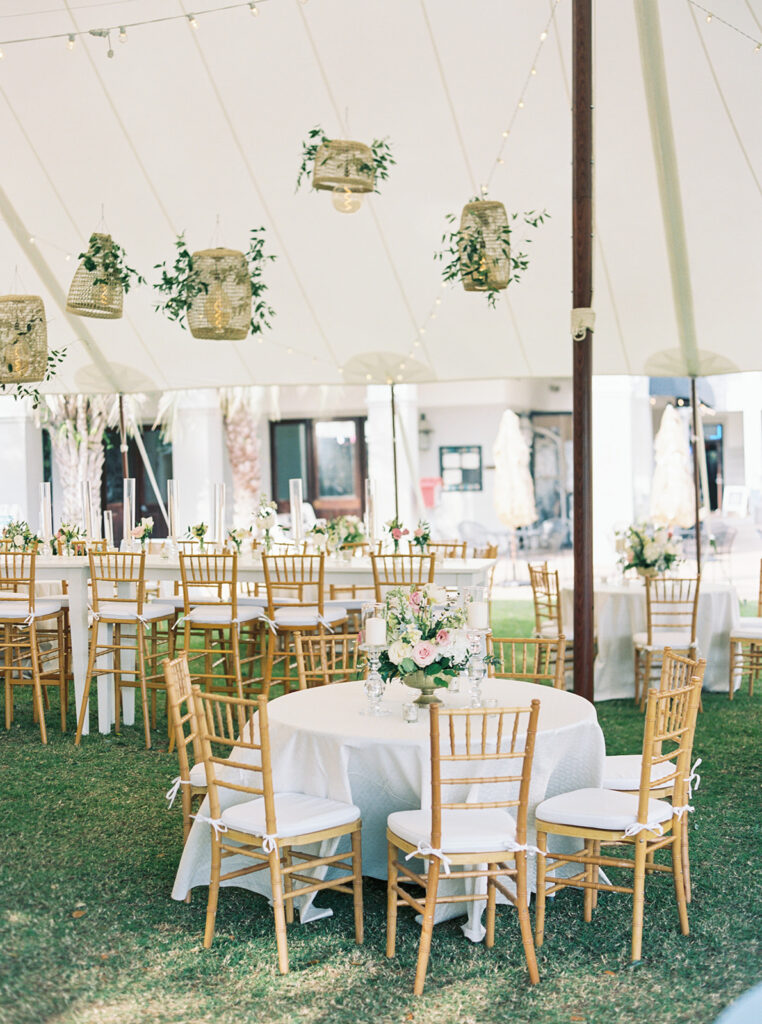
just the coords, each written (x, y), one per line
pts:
(477, 608)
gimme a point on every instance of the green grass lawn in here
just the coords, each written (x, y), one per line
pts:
(89, 932)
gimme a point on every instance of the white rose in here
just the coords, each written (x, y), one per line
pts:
(398, 651)
(457, 648)
(651, 551)
(435, 593)
(18, 540)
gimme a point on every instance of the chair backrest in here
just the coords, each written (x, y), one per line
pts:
(447, 548)
(326, 658)
(235, 745)
(401, 570)
(678, 671)
(535, 660)
(212, 577)
(296, 579)
(486, 551)
(182, 713)
(462, 740)
(109, 569)
(759, 593)
(17, 570)
(671, 605)
(546, 597)
(668, 741)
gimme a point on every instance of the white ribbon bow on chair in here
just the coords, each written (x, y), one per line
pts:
(680, 811)
(426, 850)
(270, 843)
(694, 779)
(644, 826)
(216, 823)
(532, 851)
(174, 789)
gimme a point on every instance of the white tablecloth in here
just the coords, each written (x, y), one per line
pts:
(324, 746)
(620, 611)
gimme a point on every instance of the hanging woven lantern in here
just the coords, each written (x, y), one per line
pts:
(222, 310)
(485, 263)
(23, 339)
(344, 165)
(92, 292)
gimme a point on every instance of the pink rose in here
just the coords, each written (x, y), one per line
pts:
(397, 533)
(137, 532)
(415, 598)
(443, 636)
(424, 652)
(419, 532)
(405, 532)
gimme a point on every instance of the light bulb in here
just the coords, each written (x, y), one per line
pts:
(218, 308)
(1, 55)
(70, 42)
(103, 295)
(254, 10)
(192, 21)
(345, 200)
(122, 34)
(543, 36)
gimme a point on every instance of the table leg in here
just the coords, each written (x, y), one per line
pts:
(77, 586)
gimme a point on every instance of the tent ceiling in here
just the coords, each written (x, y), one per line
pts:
(183, 126)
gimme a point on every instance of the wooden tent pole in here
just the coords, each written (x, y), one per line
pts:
(696, 478)
(123, 439)
(394, 456)
(582, 274)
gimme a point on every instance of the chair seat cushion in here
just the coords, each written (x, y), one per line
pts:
(127, 611)
(463, 831)
(599, 808)
(254, 602)
(749, 628)
(308, 616)
(222, 615)
(677, 639)
(18, 611)
(622, 771)
(198, 774)
(295, 814)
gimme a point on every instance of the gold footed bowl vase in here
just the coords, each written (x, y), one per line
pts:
(426, 684)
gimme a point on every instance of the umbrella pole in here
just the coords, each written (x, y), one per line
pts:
(394, 456)
(582, 274)
(696, 478)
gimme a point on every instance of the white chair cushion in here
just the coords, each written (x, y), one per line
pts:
(255, 602)
(677, 639)
(599, 808)
(748, 628)
(127, 611)
(198, 774)
(294, 617)
(19, 610)
(463, 831)
(622, 771)
(222, 615)
(295, 813)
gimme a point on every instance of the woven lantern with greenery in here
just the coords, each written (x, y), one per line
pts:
(341, 163)
(222, 307)
(484, 247)
(23, 339)
(97, 289)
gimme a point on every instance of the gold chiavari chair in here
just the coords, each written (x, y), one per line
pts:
(32, 639)
(601, 817)
(191, 782)
(125, 633)
(447, 548)
(269, 828)
(622, 771)
(532, 660)
(487, 551)
(746, 646)
(671, 606)
(326, 658)
(217, 625)
(295, 602)
(401, 570)
(482, 837)
(546, 599)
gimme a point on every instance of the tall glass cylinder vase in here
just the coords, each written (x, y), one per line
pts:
(87, 512)
(295, 498)
(370, 513)
(173, 495)
(108, 529)
(46, 514)
(218, 523)
(128, 512)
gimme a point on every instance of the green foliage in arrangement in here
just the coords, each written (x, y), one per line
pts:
(383, 160)
(110, 262)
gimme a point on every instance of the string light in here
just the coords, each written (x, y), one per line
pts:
(708, 18)
(254, 10)
(122, 34)
(70, 42)
(2, 55)
(192, 21)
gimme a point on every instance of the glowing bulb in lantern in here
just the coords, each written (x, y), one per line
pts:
(218, 308)
(345, 200)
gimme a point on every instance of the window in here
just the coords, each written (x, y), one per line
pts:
(159, 455)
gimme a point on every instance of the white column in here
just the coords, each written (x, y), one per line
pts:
(622, 460)
(20, 461)
(380, 457)
(742, 391)
(199, 458)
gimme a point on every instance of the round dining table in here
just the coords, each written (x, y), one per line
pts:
(620, 611)
(325, 744)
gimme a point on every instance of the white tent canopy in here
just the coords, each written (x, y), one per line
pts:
(183, 125)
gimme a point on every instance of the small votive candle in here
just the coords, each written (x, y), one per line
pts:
(490, 702)
(410, 713)
(375, 631)
(478, 615)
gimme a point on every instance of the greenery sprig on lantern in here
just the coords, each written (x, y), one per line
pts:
(479, 252)
(101, 280)
(217, 293)
(25, 360)
(344, 167)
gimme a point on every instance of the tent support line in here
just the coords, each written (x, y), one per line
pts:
(696, 478)
(394, 456)
(582, 273)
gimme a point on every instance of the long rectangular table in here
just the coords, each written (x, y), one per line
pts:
(75, 572)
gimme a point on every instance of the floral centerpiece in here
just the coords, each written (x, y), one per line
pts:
(650, 549)
(422, 535)
(143, 530)
(343, 532)
(238, 536)
(198, 532)
(427, 640)
(265, 520)
(317, 535)
(66, 537)
(396, 531)
(20, 536)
